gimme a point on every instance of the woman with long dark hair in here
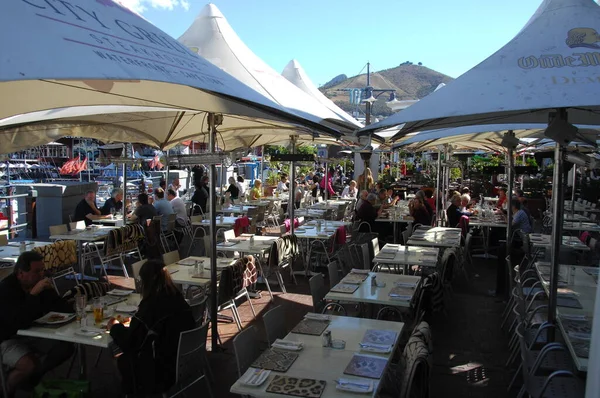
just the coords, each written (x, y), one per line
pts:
(149, 344)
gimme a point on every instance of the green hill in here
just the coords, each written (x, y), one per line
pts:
(410, 82)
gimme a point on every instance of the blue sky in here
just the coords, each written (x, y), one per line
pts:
(330, 37)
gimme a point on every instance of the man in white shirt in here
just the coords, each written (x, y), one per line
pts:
(175, 186)
(240, 185)
(282, 185)
(178, 207)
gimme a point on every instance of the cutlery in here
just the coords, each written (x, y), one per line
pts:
(349, 383)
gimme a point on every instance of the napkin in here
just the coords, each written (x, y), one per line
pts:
(386, 256)
(574, 317)
(395, 296)
(287, 345)
(376, 348)
(317, 317)
(359, 271)
(352, 385)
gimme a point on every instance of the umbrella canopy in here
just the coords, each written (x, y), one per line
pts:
(126, 79)
(213, 38)
(551, 63)
(294, 72)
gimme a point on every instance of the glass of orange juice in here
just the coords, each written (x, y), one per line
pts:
(98, 308)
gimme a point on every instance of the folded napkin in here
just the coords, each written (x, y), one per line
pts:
(359, 271)
(317, 317)
(351, 385)
(574, 317)
(287, 345)
(376, 348)
(400, 297)
(188, 261)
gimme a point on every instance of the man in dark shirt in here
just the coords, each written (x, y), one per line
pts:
(200, 197)
(144, 211)
(115, 202)
(24, 297)
(87, 210)
(367, 212)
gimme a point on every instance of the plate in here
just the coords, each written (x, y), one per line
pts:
(120, 292)
(90, 332)
(55, 318)
(126, 308)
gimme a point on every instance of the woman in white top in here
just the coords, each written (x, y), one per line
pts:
(350, 191)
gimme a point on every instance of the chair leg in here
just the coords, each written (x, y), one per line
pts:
(251, 305)
(266, 280)
(124, 267)
(236, 317)
(514, 379)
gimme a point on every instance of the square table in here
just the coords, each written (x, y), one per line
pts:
(183, 274)
(368, 294)
(222, 222)
(436, 237)
(407, 255)
(545, 242)
(581, 226)
(326, 363)
(90, 234)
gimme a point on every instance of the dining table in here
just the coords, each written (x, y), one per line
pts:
(348, 369)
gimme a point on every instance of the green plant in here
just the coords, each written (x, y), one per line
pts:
(272, 177)
(455, 173)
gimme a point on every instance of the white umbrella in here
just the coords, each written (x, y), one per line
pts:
(127, 80)
(552, 63)
(294, 72)
(211, 36)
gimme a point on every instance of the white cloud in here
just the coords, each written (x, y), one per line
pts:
(140, 6)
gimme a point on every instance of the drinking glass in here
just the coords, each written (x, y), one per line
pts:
(98, 308)
(80, 304)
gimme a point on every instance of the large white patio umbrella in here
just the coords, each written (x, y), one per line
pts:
(211, 36)
(124, 79)
(552, 63)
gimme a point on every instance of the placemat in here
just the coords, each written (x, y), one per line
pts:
(401, 291)
(310, 326)
(275, 360)
(366, 366)
(577, 326)
(568, 301)
(286, 385)
(376, 336)
(344, 288)
(355, 279)
(581, 347)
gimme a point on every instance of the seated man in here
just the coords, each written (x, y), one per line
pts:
(25, 296)
(87, 210)
(163, 208)
(367, 211)
(114, 204)
(520, 218)
(144, 210)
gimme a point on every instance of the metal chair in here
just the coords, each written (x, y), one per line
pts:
(274, 321)
(334, 274)
(318, 291)
(246, 347)
(191, 352)
(171, 257)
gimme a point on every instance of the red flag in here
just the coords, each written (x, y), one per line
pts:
(81, 167)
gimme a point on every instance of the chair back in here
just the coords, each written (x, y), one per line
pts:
(171, 257)
(194, 219)
(228, 234)
(334, 275)
(64, 280)
(415, 380)
(246, 348)
(197, 388)
(60, 229)
(58, 255)
(274, 320)
(190, 354)
(405, 237)
(318, 290)
(77, 225)
(199, 310)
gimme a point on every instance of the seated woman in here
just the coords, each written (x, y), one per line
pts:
(419, 212)
(148, 362)
(233, 189)
(350, 191)
(501, 204)
(453, 212)
(256, 192)
(520, 218)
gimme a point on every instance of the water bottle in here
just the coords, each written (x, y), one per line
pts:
(252, 240)
(373, 281)
(327, 338)
(22, 247)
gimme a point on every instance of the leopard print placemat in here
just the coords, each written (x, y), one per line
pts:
(275, 360)
(310, 326)
(286, 385)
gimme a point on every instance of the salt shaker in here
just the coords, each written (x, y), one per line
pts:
(252, 240)
(327, 338)
(22, 247)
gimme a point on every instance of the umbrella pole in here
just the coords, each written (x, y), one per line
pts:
(213, 234)
(326, 183)
(292, 193)
(509, 176)
(124, 208)
(557, 220)
(573, 191)
(437, 190)
(593, 383)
